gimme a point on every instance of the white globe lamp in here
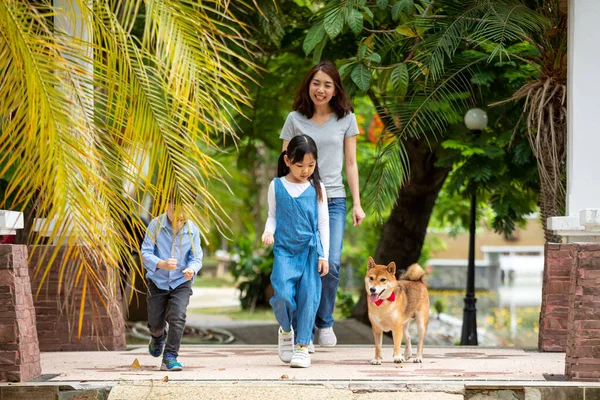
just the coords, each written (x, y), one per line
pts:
(476, 119)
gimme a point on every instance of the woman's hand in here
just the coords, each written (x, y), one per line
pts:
(267, 238)
(323, 267)
(357, 214)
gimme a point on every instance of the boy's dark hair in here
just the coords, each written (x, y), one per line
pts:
(339, 103)
(298, 147)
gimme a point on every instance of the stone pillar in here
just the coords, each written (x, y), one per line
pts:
(581, 225)
(19, 350)
(559, 261)
(103, 329)
(583, 340)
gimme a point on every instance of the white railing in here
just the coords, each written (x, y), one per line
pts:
(10, 222)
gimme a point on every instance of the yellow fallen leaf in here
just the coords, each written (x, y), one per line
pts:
(136, 364)
(221, 369)
(165, 379)
(284, 376)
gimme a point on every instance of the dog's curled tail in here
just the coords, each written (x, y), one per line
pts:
(413, 273)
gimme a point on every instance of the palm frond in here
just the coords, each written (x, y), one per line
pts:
(84, 116)
(389, 172)
(431, 107)
(496, 23)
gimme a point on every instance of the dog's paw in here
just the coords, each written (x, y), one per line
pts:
(407, 356)
(376, 361)
(398, 359)
(418, 360)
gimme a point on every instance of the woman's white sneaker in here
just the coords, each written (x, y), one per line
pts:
(327, 337)
(301, 358)
(285, 345)
(311, 347)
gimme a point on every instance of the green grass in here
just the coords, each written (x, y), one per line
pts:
(237, 314)
(212, 282)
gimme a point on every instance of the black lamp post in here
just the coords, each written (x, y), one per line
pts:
(475, 120)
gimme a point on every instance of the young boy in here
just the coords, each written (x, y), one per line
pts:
(172, 257)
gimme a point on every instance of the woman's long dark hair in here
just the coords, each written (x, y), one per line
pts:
(339, 103)
(298, 147)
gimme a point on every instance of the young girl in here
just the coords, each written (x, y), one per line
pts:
(298, 224)
(323, 112)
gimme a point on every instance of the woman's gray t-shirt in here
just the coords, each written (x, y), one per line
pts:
(329, 138)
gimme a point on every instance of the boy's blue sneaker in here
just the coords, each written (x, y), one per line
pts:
(156, 346)
(170, 363)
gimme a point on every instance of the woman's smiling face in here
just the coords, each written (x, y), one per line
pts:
(321, 89)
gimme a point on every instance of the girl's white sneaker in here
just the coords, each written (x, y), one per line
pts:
(311, 347)
(301, 359)
(285, 345)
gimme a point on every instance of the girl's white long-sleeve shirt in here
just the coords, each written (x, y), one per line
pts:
(295, 190)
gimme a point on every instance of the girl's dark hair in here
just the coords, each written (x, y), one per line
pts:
(339, 103)
(298, 147)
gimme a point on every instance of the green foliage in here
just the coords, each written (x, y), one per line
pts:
(494, 25)
(496, 165)
(253, 156)
(334, 22)
(355, 21)
(432, 245)
(314, 36)
(252, 272)
(400, 7)
(361, 77)
(345, 303)
(440, 305)
(400, 80)
(361, 242)
(431, 58)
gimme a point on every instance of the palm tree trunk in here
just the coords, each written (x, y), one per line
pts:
(549, 208)
(404, 232)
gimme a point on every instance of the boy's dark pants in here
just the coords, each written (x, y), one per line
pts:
(170, 305)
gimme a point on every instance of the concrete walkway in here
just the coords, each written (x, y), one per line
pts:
(343, 372)
(249, 369)
(341, 363)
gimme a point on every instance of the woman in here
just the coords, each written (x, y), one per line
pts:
(323, 112)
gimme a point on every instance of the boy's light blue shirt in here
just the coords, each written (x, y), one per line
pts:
(157, 246)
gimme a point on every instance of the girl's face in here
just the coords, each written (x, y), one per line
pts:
(321, 89)
(301, 171)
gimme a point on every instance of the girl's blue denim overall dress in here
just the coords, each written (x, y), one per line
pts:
(297, 248)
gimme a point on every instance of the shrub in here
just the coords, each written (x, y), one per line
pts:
(252, 271)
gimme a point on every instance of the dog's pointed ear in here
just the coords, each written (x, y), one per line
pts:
(370, 263)
(392, 268)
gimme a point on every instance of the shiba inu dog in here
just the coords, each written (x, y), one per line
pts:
(392, 306)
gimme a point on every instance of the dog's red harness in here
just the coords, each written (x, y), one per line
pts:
(391, 298)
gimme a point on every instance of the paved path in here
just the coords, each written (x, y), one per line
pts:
(343, 372)
(342, 363)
